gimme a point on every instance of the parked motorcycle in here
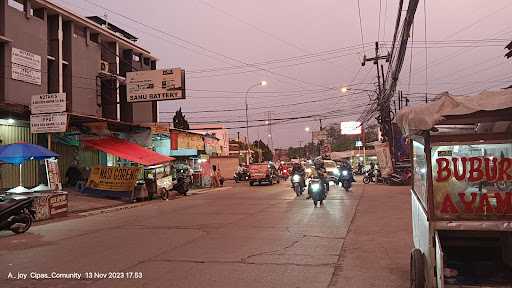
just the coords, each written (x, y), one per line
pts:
(16, 213)
(374, 176)
(183, 181)
(346, 178)
(317, 190)
(298, 184)
(401, 177)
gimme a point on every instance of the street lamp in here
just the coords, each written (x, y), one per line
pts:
(307, 129)
(261, 83)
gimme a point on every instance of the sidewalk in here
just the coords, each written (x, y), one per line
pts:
(376, 250)
(78, 202)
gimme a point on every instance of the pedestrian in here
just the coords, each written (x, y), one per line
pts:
(219, 177)
(215, 179)
(73, 174)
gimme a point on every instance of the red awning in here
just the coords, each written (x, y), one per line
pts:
(128, 150)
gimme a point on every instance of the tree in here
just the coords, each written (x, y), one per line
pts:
(179, 121)
(260, 146)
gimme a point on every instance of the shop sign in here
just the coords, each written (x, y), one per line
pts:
(319, 135)
(472, 187)
(58, 204)
(155, 85)
(350, 128)
(53, 174)
(48, 103)
(120, 179)
(25, 66)
(48, 123)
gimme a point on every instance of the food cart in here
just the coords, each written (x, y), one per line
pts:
(462, 193)
(158, 180)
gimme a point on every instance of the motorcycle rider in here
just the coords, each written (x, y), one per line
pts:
(298, 169)
(321, 171)
(345, 165)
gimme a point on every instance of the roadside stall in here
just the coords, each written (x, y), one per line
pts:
(462, 190)
(144, 174)
(48, 200)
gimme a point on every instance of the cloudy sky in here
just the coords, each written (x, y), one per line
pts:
(306, 50)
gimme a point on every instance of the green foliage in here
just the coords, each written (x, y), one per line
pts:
(179, 121)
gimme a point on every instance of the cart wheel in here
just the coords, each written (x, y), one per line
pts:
(417, 269)
(366, 180)
(251, 183)
(164, 194)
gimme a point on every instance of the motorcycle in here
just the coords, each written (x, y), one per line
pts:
(241, 176)
(16, 213)
(373, 176)
(183, 180)
(317, 190)
(298, 184)
(346, 179)
(284, 174)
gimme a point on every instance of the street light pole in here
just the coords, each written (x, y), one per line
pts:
(261, 83)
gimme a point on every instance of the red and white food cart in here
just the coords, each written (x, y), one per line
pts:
(462, 190)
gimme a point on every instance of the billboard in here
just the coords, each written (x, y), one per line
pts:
(319, 135)
(120, 179)
(155, 85)
(350, 128)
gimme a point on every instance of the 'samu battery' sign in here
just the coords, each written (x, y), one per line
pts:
(155, 85)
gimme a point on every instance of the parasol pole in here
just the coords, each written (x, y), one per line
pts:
(21, 184)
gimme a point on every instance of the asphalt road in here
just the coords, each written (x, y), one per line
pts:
(260, 236)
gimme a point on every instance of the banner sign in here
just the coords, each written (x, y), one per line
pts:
(155, 85)
(53, 174)
(48, 103)
(48, 123)
(25, 66)
(384, 158)
(472, 181)
(120, 179)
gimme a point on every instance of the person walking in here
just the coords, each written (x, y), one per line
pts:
(215, 178)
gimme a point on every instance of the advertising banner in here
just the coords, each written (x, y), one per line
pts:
(53, 174)
(119, 179)
(25, 66)
(384, 158)
(48, 123)
(155, 85)
(472, 182)
(319, 135)
(48, 103)
(58, 204)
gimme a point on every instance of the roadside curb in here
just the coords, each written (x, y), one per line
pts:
(125, 206)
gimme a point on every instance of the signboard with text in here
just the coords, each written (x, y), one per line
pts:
(155, 85)
(350, 128)
(472, 182)
(25, 66)
(48, 103)
(319, 135)
(48, 123)
(119, 179)
(53, 174)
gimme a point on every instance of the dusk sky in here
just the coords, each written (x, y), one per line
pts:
(306, 51)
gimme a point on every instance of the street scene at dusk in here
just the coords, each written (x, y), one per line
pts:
(201, 143)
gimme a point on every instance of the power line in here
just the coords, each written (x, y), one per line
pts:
(360, 25)
(426, 50)
(204, 48)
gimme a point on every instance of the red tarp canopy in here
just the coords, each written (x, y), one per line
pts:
(128, 150)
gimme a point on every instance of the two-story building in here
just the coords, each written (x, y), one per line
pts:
(45, 48)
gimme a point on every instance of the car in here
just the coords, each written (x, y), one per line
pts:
(332, 170)
(263, 173)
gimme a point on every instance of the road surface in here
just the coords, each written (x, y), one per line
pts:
(243, 236)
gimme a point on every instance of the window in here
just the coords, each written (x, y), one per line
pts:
(420, 171)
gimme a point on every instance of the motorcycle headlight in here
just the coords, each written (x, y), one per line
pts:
(315, 187)
(296, 178)
(345, 172)
(336, 171)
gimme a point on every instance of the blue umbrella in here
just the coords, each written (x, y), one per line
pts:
(20, 152)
